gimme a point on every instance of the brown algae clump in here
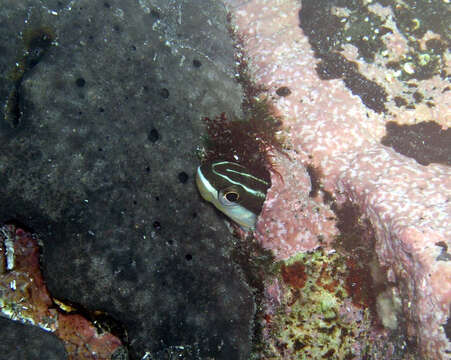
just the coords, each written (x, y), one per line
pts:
(249, 142)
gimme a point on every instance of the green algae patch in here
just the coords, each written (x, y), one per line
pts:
(316, 318)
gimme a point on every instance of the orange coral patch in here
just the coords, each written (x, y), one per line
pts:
(294, 275)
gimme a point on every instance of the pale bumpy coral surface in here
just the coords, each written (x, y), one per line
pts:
(341, 103)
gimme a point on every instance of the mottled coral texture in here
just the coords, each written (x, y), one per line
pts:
(25, 298)
(408, 204)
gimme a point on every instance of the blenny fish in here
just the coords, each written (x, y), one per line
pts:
(233, 190)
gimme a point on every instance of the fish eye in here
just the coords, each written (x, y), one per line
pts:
(229, 196)
(232, 196)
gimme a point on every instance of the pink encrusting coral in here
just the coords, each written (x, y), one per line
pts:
(330, 128)
(25, 298)
(292, 221)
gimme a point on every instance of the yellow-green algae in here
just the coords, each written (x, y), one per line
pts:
(312, 322)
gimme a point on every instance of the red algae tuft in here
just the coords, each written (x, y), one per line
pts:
(249, 142)
(253, 140)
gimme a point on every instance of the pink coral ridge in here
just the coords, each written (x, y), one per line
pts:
(409, 205)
